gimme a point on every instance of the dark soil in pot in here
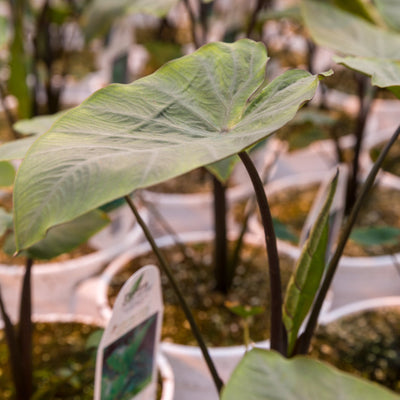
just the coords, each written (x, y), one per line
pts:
(392, 160)
(366, 344)
(195, 278)
(381, 209)
(63, 365)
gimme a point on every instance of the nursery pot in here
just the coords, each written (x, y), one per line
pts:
(192, 376)
(54, 283)
(79, 326)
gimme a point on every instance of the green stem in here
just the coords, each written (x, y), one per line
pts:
(277, 329)
(164, 265)
(345, 234)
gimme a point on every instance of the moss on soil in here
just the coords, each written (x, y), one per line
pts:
(63, 367)
(366, 344)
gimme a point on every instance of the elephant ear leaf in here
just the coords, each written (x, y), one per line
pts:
(193, 111)
(305, 280)
(266, 375)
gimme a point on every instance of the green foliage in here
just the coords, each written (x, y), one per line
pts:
(306, 278)
(348, 34)
(63, 238)
(283, 232)
(101, 14)
(266, 375)
(7, 174)
(6, 221)
(126, 137)
(375, 235)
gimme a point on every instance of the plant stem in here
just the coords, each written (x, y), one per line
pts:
(334, 262)
(25, 331)
(164, 265)
(14, 353)
(365, 105)
(253, 19)
(193, 23)
(220, 241)
(277, 329)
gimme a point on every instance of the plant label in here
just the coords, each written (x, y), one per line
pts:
(126, 358)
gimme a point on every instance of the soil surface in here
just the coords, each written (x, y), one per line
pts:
(382, 208)
(366, 344)
(63, 366)
(194, 276)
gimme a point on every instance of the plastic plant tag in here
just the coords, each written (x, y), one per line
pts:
(126, 357)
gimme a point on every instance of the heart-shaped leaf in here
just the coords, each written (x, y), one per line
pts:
(100, 14)
(194, 111)
(266, 375)
(348, 34)
(384, 73)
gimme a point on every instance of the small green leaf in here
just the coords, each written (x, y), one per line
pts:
(16, 149)
(266, 375)
(244, 311)
(305, 280)
(94, 339)
(7, 174)
(6, 221)
(375, 235)
(36, 125)
(65, 237)
(283, 231)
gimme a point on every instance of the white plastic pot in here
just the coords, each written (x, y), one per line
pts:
(192, 378)
(54, 283)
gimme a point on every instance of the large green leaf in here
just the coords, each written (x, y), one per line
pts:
(390, 10)
(383, 73)
(16, 149)
(348, 34)
(266, 375)
(100, 14)
(36, 125)
(306, 278)
(194, 111)
(65, 237)
(7, 174)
